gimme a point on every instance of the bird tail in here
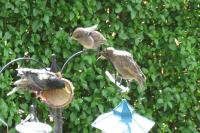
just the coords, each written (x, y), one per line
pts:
(141, 84)
(92, 28)
(141, 81)
(21, 82)
(12, 91)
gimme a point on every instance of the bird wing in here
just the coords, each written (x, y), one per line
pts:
(54, 83)
(86, 42)
(98, 37)
(92, 28)
(39, 79)
(22, 71)
(129, 64)
(134, 67)
(45, 81)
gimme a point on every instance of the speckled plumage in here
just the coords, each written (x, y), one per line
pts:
(125, 64)
(37, 80)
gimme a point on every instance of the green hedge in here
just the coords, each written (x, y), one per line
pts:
(162, 35)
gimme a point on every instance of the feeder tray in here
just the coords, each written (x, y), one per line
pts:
(33, 127)
(58, 98)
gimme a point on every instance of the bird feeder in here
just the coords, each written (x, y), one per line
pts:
(33, 127)
(31, 124)
(59, 98)
(123, 119)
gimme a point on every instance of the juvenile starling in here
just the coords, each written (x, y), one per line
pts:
(37, 80)
(88, 37)
(124, 63)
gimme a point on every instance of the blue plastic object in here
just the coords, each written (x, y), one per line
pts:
(123, 119)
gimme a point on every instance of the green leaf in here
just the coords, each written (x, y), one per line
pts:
(172, 46)
(170, 105)
(99, 77)
(1, 34)
(133, 14)
(123, 35)
(129, 8)
(77, 106)
(73, 116)
(117, 26)
(71, 15)
(101, 108)
(198, 115)
(7, 36)
(35, 25)
(46, 19)
(160, 101)
(118, 8)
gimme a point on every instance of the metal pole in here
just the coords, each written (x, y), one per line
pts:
(56, 112)
(58, 122)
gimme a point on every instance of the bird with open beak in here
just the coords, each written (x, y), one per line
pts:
(88, 37)
(124, 63)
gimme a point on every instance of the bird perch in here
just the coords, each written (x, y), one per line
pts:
(112, 79)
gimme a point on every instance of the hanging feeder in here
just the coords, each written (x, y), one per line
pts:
(123, 119)
(33, 127)
(58, 98)
(31, 124)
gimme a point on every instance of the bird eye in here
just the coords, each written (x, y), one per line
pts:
(77, 35)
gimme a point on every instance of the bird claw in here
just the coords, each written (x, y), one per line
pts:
(112, 79)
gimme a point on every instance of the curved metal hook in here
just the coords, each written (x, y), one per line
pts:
(74, 55)
(71, 57)
(18, 59)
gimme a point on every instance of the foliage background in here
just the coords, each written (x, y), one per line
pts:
(162, 35)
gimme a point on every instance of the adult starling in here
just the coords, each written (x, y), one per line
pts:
(88, 37)
(124, 63)
(37, 80)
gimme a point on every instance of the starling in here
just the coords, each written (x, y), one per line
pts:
(124, 63)
(88, 37)
(37, 80)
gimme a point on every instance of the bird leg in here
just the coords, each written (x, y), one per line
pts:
(128, 83)
(115, 78)
(120, 82)
(84, 49)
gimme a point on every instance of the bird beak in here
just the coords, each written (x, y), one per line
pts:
(73, 38)
(59, 74)
(101, 57)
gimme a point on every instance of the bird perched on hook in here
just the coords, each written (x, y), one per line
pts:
(37, 80)
(88, 37)
(124, 63)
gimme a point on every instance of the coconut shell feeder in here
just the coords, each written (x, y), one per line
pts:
(59, 98)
